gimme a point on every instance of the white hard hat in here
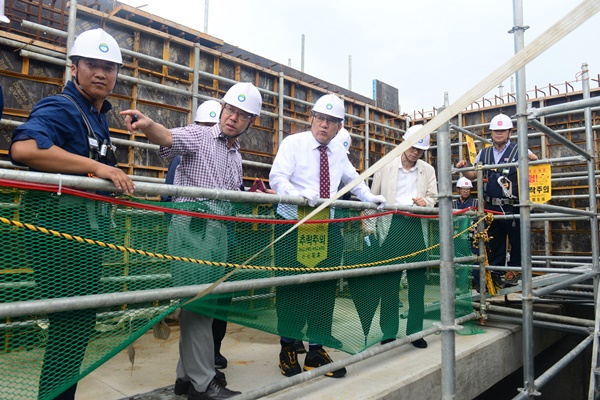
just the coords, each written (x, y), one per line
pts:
(501, 122)
(244, 96)
(97, 44)
(208, 111)
(422, 144)
(330, 104)
(2, 16)
(343, 137)
(464, 183)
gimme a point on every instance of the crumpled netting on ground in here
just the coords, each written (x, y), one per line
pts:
(358, 312)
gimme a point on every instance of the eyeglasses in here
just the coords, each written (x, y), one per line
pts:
(230, 110)
(320, 118)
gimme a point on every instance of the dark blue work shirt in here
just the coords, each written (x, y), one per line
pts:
(55, 121)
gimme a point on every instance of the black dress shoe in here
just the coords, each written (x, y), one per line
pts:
(181, 387)
(420, 343)
(220, 361)
(220, 376)
(215, 391)
(386, 341)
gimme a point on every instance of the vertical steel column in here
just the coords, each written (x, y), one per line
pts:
(589, 146)
(280, 110)
(448, 324)
(70, 37)
(528, 355)
(461, 151)
(547, 248)
(206, 16)
(367, 113)
(480, 228)
(195, 80)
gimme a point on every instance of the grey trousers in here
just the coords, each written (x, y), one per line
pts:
(202, 240)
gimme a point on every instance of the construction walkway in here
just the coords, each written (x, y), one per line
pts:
(404, 372)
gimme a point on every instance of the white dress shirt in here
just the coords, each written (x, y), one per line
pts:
(296, 167)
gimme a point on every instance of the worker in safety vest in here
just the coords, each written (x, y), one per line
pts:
(464, 186)
(501, 193)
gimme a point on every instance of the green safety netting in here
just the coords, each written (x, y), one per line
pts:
(77, 244)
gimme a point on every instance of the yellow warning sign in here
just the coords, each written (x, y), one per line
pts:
(471, 148)
(312, 238)
(540, 185)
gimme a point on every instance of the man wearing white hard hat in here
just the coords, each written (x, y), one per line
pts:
(210, 158)
(207, 114)
(343, 138)
(500, 193)
(405, 181)
(68, 133)
(464, 187)
(312, 165)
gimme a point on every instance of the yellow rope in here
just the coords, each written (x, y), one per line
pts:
(214, 263)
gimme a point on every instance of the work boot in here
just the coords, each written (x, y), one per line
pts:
(288, 361)
(319, 357)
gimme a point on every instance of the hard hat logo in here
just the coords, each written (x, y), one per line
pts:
(329, 106)
(213, 114)
(103, 47)
(241, 98)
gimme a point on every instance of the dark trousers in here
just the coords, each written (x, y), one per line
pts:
(309, 304)
(64, 268)
(405, 236)
(219, 327)
(499, 230)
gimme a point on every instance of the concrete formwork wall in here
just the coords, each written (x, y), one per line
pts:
(26, 80)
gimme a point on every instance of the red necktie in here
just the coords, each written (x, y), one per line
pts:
(324, 173)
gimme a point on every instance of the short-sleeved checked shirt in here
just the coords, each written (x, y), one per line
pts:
(206, 160)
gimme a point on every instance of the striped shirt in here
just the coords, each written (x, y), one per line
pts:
(206, 160)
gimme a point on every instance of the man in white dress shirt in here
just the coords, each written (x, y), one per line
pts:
(297, 171)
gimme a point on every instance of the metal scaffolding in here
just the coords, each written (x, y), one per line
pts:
(563, 275)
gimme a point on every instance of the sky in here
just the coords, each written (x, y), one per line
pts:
(424, 48)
